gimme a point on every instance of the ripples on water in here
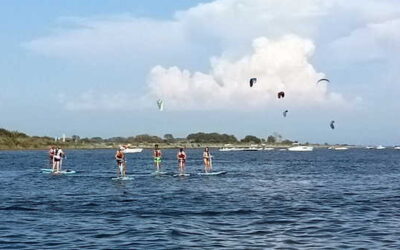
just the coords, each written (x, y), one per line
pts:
(320, 199)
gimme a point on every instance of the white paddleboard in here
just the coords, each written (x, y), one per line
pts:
(159, 173)
(124, 178)
(181, 175)
(213, 173)
(50, 171)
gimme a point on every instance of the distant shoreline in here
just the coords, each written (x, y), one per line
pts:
(169, 146)
(14, 140)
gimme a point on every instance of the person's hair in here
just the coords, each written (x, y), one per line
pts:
(206, 149)
(181, 149)
(156, 145)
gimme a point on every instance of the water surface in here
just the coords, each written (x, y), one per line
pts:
(268, 199)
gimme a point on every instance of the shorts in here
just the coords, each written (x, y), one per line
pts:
(157, 159)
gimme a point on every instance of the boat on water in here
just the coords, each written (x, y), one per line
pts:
(301, 148)
(252, 149)
(240, 149)
(341, 148)
(132, 150)
(369, 147)
(230, 149)
(380, 147)
(397, 147)
(268, 149)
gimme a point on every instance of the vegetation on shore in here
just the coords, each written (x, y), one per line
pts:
(17, 140)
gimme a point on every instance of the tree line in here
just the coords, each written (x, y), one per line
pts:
(15, 140)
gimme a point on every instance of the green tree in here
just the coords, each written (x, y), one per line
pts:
(251, 139)
(271, 139)
(147, 138)
(169, 138)
(211, 138)
(75, 138)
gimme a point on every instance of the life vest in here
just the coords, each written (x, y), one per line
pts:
(58, 154)
(181, 155)
(120, 155)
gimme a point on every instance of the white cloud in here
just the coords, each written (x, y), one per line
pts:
(125, 37)
(375, 41)
(343, 31)
(221, 24)
(105, 102)
(281, 65)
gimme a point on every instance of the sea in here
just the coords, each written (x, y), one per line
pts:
(322, 199)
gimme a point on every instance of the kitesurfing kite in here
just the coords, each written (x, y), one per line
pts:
(160, 105)
(323, 79)
(285, 113)
(253, 81)
(281, 95)
(332, 125)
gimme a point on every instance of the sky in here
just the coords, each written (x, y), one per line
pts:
(96, 68)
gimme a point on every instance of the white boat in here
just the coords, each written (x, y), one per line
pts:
(132, 150)
(341, 148)
(228, 149)
(369, 147)
(252, 149)
(268, 149)
(397, 147)
(239, 149)
(380, 147)
(301, 148)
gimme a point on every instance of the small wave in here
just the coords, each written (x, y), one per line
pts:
(18, 208)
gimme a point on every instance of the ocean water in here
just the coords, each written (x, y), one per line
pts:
(268, 199)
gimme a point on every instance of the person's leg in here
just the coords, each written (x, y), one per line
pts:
(124, 168)
(57, 166)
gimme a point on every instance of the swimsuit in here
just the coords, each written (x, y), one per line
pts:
(181, 157)
(157, 157)
(120, 158)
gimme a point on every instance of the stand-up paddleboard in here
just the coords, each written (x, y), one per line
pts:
(50, 171)
(159, 173)
(181, 175)
(213, 173)
(122, 178)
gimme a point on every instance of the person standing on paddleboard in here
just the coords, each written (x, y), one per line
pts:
(157, 157)
(207, 160)
(52, 151)
(120, 158)
(181, 156)
(57, 160)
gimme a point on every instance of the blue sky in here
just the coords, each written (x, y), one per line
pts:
(96, 68)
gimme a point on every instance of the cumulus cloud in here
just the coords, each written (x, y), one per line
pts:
(278, 65)
(344, 30)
